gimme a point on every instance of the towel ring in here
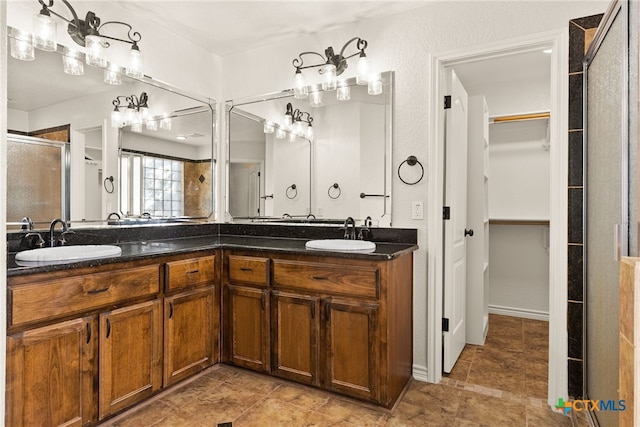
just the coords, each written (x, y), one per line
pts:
(411, 161)
(335, 185)
(110, 180)
(293, 193)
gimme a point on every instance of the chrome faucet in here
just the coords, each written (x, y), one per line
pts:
(65, 231)
(350, 234)
(27, 223)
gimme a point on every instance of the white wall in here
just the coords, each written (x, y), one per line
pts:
(403, 43)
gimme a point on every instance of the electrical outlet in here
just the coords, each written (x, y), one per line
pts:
(417, 210)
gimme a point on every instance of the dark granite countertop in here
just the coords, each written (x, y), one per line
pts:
(161, 245)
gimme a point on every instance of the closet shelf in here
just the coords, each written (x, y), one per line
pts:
(518, 221)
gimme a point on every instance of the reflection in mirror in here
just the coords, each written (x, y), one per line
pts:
(42, 97)
(344, 170)
(167, 170)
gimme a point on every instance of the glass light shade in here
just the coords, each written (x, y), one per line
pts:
(310, 133)
(362, 70)
(292, 137)
(165, 123)
(151, 124)
(300, 128)
(287, 122)
(116, 119)
(144, 113)
(71, 62)
(136, 127)
(315, 98)
(136, 64)
(280, 133)
(330, 79)
(95, 52)
(21, 45)
(269, 127)
(375, 84)
(300, 90)
(129, 116)
(112, 76)
(45, 31)
(344, 91)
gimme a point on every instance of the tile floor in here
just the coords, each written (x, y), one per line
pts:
(502, 383)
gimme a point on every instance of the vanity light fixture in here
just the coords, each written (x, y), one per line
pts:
(331, 67)
(136, 111)
(295, 123)
(84, 32)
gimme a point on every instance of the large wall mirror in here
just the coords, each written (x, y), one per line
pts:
(162, 168)
(343, 169)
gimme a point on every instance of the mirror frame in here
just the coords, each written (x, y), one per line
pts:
(388, 81)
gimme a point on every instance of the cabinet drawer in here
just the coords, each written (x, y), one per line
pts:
(55, 298)
(189, 272)
(327, 278)
(248, 269)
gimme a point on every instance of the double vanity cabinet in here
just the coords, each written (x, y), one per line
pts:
(87, 341)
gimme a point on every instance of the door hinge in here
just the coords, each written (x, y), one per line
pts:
(447, 102)
(445, 324)
(446, 212)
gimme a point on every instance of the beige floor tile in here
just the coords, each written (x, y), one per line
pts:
(489, 411)
(502, 370)
(540, 417)
(346, 411)
(272, 412)
(460, 370)
(300, 396)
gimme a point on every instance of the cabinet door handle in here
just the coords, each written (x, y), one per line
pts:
(263, 302)
(170, 309)
(98, 291)
(246, 269)
(108, 327)
(88, 332)
(193, 271)
(320, 278)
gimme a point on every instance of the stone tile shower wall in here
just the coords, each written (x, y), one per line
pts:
(581, 32)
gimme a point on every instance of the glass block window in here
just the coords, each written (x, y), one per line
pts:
(162, 187)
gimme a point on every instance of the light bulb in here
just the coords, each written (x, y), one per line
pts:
(45, 31)
(362, 70)
(21, 45)
(136, 62)
(300, 90)
(95, 52)
(329, 81)
(71, 62)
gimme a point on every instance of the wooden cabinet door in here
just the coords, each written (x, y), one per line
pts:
(350, 348)
(189, 334)
(49, 375)
(296, 327)
(247, 327)
(130, 355)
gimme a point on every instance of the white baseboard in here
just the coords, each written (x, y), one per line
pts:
(519, 312)
(420, 374)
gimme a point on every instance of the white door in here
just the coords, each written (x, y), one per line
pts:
(455, 198)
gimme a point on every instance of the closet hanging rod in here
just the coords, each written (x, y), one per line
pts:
(520, 117)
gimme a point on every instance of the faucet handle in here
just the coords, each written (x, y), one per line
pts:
(62, 239)
(39, 242)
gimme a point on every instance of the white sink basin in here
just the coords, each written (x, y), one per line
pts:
(67, 253)
(341, 245)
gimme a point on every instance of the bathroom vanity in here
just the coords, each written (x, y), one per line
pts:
(86, 340)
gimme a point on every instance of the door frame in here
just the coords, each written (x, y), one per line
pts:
(558, 40)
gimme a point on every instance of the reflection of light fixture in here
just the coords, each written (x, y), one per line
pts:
(295, 122)
(85, 33)
(181, 137)
(165, 123)
(137, 111)
(72, 63)
(331, 67)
